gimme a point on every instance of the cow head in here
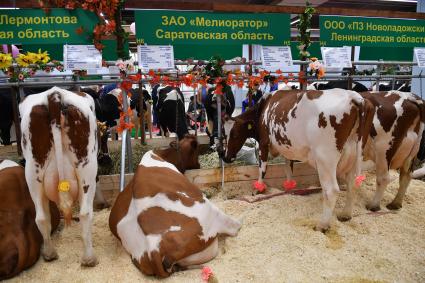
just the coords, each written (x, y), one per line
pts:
(236, 131)
(185, 155)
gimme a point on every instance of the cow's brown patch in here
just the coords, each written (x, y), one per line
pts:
(404, 122)
(150, 181)
(86, 188)
(387, 114)
(120, 208)
(293, 112)
(55, 108)
(41, 136)
(78, 127)
(174, 245)
(322, 121)
(314, 94)
(344, 127)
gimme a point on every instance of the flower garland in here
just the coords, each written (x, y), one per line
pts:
(102, 8)
(27, 65)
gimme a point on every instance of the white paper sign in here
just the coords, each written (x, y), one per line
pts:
(276, 57)
(420, 56)
(153, 57)
(336, 57)
(81, 57)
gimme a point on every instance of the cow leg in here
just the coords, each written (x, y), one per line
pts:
(382, 181)
(326, 169)
(404, 180)
(87, 188)
(347, 212)
(42, 213)
(263, 154)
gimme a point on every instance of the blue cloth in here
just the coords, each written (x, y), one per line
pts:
(204, 94)
(107, 89)
(273, 87)
(245, 104)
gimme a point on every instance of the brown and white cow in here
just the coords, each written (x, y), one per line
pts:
(394, 141)
(20, 240)
(59, 143)
(324, 128)
(162, 219)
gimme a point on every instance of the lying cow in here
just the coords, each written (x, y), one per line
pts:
(162, 219)
(323, 128)
(394, 141)
(20, 239)
(60, 147)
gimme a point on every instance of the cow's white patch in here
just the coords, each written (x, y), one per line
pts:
(173, 95)
(149, 161)
(175, 228)
(7, 164)
(228, 125)
(183, 194)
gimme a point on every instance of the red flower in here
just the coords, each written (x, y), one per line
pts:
(289, 185)
(110, 26)
(151, 73)
(206, 273)
(260, 187)
(279, 72)
(70, 5)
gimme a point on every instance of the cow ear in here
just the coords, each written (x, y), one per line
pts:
(226, 117)
(173, 144)
(194, 144)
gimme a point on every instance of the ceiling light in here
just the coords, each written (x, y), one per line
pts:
(296, 21)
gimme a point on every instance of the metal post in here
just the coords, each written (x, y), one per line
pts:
(378, 73)
(125, 145)
(220, 144)
(420, 81)
(142, 114)
(195, 99)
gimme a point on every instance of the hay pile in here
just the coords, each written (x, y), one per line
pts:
(276, 244)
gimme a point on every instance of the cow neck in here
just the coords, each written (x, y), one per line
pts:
(172, 156)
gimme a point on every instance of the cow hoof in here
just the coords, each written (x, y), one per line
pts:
(373, 208)
(50, 254)
(322, 228)
(343, 218)
(394, 206)
(89, 261)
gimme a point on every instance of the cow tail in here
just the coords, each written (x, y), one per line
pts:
(57, 121)
(365, 111)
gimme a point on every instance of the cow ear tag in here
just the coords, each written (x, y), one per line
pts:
(249, 126)
(63, 186)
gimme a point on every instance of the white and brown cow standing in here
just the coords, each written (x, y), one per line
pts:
(394, 141)
(20, 240)
(59, 143)
(162, 219)
(323, 128)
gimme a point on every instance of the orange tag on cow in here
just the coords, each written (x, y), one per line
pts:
(63, 186)
(249, 126)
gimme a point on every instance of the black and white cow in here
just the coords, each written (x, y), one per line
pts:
(171, 111)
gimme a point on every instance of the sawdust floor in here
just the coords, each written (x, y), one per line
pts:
(277, 243)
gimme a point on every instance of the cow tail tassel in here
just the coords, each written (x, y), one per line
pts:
(57, 120)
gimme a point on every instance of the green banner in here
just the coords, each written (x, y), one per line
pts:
(371, 32)
(164, 27)
(34, 26)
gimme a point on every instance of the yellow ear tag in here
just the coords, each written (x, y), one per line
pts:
(249, 126)
(63, 186)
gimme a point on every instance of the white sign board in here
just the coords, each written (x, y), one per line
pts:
(276, 57)
(419, 56)
(336, 57)
(153, 57)
(81, 57)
